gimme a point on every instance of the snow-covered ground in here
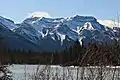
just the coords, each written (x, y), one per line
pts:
(28, 72)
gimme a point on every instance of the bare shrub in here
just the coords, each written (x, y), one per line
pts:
(5, 73)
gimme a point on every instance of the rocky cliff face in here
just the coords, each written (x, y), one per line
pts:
(48, 34)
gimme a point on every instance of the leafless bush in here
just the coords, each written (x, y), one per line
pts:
(5, 73)
(96, 64)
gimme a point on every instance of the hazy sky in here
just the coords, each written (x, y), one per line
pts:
(18, 10)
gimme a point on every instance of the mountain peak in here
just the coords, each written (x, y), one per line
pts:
(84, 18)
(56, 33)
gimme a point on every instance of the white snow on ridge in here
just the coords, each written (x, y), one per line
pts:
(39, 26)
(66, 26)
(9, 24)
(62, 37)
(88, 25)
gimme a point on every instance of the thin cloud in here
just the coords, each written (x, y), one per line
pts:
(39, 14)
(109, 23)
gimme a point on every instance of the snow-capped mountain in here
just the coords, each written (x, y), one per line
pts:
(7, 23)
(54, 34)
(15, 41)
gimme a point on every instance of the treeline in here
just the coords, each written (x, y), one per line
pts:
(94, 54)
(8, 56)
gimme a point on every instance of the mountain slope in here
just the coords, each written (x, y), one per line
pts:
(15, 41)
(54, 34)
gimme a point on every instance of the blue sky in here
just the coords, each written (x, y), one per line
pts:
(18, 10)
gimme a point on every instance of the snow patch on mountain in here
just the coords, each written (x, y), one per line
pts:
(76, 27)
(54, 34)
(7, 23)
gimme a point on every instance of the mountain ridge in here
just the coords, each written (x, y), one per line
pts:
(50, 35)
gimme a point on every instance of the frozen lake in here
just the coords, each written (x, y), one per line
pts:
(24, 72)
(29, 72)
